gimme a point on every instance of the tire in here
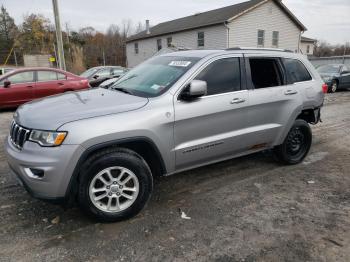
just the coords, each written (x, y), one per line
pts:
(296, 145)
(113, 200)
(334, 87)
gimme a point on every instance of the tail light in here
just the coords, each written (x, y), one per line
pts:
(325, 88)
(84, 82)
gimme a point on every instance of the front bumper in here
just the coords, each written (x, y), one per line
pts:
(57, 164)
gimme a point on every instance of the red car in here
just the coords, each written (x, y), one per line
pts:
(20, 86)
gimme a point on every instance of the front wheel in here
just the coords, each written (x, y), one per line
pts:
(296, 145)
(114, 185)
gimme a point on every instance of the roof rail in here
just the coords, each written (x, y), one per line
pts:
(259, 49)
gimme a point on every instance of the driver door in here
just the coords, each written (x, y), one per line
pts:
(20, 90)
(210, 128)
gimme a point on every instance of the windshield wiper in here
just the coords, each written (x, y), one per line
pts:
(122, 89)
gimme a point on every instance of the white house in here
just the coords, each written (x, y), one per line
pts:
(255, 23)
(307, 45)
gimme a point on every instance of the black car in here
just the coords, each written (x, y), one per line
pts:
(98, 75)
(336, 76)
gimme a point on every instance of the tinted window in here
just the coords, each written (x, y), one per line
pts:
(46, 76)
(296, 71)
(265, 72)
(222, 76)
(23, 77)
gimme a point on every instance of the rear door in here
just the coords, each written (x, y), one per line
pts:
(212, 127)
(272, 100)
(49, 83)
(19, 91)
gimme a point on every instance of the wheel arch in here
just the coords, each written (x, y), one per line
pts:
(143, 146)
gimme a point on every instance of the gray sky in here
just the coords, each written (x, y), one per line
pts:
(325, 19)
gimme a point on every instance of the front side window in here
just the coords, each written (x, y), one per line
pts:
(222, 76)
(155, 76)
(275, 38)
(136, 48)
(159, 44)
(296, 71)
(200, 40)
(23, 77)
(46, 76)
(261, 38)
(265, 72)
(169, 41)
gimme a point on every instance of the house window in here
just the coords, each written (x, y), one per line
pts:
(308, 49)
(261, 38)
(169, 41)
(200, 40)
(159, 44)
(136, 47)
(275, 37)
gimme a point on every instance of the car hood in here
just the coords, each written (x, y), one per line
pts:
(52, 112)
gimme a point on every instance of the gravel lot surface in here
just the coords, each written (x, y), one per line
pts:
(246, 209)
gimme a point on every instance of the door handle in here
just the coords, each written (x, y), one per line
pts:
(290, 92)
(237, 100)
(60, 84)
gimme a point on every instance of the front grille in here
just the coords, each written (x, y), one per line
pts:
(19, 135)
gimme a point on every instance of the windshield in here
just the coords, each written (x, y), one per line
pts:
(330, 69)
(89, 72)
(155, 76)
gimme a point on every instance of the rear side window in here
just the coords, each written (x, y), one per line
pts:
(222, 76)
(265, 72)
(61, 76)
(296, 71)
(46, 76)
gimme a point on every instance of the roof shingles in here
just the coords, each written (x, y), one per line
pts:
(204, 19)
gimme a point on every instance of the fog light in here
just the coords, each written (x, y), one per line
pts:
(34, 173)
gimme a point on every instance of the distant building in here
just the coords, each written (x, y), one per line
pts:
(255, 23)
(307, 45)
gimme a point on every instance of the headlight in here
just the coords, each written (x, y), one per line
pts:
(47, 138)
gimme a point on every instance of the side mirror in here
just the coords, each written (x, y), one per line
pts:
(96, 76)
(195, 89)
(7, 84)
(345, 72)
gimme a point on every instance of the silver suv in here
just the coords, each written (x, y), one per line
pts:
(174, 112)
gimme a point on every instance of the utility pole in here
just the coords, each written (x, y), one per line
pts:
(59, 39)
(15, 56)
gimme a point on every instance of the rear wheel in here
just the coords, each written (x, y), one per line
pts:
(334, 86)
(114, 185)
(296, 145)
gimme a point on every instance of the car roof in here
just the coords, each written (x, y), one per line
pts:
(206, 53)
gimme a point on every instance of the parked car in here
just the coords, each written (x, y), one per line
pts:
(98, 75)
(336, 76)
(173, 112)
(108, 83)
(23, 85)
(4, 70)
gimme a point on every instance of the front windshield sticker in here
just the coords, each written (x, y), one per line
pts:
(180, 63)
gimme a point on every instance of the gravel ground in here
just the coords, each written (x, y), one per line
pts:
(246, 209)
